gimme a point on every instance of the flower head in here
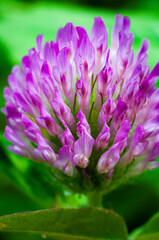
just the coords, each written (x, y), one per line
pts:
(88, 111)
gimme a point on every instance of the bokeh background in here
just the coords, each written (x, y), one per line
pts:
(27, 186)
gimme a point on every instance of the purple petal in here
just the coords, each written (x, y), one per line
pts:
(122, 134)
(83, 93)
(13, 137)
(99, 35)
(122, 24)
(67, 37)
(154, 153)
(109, 159)
(130, 90)
(19, 151)
(25, 63)
(45, 150)
(81, 160)
(22, 103)
(13, 117)
(85, 59)
(50, 53)
(45, 70)
(104, 79)
(8, 95)
(81, 32)
(62, 111)
(152, 165)
(119, 114)
(103, 138)
(39, 40)
(108, 109)
(84, 145)
(137, 146)
(16, 79)
(30, 83)
(65, 161)
(155, 72)
(47, 122)
(143, 50)
(63, 74)
(100, 41)
(48, 88)
(82, 125)
(31, 128)
(67, 138)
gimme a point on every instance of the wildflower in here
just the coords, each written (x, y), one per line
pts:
(90, 112)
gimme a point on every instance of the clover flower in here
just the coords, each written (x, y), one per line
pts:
(90, 112)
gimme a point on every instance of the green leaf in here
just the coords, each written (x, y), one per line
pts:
(132, 200)
(150, 231)
(152, 226)
(12, 201)
(34, 179)
(64, 223)
(154, 236)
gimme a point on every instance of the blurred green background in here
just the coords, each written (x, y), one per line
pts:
(25, 185)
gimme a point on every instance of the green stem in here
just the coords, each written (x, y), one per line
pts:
(94, 199)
